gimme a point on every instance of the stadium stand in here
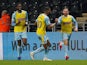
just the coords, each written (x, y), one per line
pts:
(34, 7)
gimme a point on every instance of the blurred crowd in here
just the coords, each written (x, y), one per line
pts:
(34, 8)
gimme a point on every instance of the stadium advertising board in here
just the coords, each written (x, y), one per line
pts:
(1, 47)
(77, 46)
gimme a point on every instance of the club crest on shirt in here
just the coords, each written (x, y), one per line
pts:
(66, 23)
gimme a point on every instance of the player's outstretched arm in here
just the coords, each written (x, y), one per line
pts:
(51, 25)
(26, 19)
(75, 23)
(13, 20)
(35, 23)
(58, 20)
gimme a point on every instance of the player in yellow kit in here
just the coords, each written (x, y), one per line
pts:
(66, 22)
(43, 22)
(19, 21)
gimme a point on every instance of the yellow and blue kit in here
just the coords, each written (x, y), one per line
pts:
(42, 22)
(67, 25)
(20, 29)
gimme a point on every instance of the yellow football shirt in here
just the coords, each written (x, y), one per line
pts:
(67, 23)
(22, 18)
(42, 22)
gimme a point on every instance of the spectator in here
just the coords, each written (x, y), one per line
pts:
(4, 22)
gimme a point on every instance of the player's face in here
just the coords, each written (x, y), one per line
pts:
(49, 11)
(65, 12)
(19, 6)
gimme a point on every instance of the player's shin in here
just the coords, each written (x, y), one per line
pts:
(19, 50)
(45, 55)
(66, 50)
(47, 46)
(66, 47)
(38, 50)
(46, 52)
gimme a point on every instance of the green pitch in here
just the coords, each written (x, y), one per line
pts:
(37, 62)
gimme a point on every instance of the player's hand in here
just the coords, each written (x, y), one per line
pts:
(76, 30)
(56, 20)
(18, 23)
(26, 24)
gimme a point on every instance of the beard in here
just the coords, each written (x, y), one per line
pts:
(19, 11)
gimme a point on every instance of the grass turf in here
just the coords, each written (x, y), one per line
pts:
(38, 62)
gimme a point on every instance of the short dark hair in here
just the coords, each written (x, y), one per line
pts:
(46, 8)
(65, 8)
(18, 4)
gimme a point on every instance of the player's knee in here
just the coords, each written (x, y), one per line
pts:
(45, 46)
(19, 42)
(25, 42)
(48, 43)
(66, 42)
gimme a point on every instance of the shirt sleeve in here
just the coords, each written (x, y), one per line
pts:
(13, 19)
(36, 20)
(26, 16)
(75, 22)
(60, 19)
(47, 21)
